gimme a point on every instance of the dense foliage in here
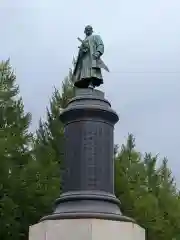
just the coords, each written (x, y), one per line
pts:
(30, 170)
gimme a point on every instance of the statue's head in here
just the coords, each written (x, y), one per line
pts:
(88, 30)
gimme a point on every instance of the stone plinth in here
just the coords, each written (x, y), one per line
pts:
(86, 229)
(88, 170)
(87, 209)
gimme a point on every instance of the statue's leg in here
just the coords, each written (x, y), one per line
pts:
(91, 85)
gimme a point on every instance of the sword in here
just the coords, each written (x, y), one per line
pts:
(100, 61)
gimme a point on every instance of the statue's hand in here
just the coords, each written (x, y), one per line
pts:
(84, 47)
(96, 55)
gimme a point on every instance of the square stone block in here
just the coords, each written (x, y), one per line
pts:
(85, 229)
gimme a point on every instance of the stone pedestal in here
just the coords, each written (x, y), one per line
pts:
(88, 171)
(87, 208)
(86, 229)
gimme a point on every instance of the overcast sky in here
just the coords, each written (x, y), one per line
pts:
(142, 51)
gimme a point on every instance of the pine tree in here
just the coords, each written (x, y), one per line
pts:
(15, 142)
(50, 132)
(48, 151)
(30, 170)
(147, 192)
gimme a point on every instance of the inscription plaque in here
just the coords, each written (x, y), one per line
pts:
(89, 156)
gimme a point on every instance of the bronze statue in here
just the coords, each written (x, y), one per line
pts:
(87, 68)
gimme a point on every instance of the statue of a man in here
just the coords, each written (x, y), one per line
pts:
(87, 69)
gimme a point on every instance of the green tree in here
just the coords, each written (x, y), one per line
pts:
(15, 142)
(147, 192)
(50, 132)
(30, 170)
(48, 152)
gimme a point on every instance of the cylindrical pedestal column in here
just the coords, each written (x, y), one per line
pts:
(88, 171)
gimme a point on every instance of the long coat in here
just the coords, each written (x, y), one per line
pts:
(87, 66)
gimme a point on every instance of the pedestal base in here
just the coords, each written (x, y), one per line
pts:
(87, 204)
(86, 229)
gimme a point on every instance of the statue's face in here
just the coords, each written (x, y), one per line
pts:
(88, 31)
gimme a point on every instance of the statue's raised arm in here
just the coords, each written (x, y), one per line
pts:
(88, 66)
